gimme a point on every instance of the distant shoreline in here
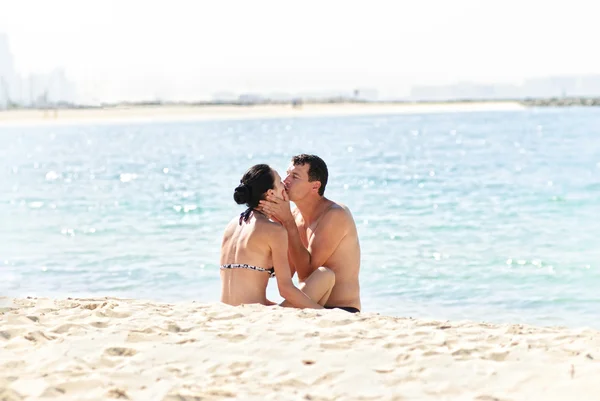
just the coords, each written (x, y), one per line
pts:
(203, 112)
(562, 102)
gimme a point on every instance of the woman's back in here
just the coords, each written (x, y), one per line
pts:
(246, 260)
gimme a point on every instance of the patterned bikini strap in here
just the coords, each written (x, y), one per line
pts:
(245, 215)
(246, 266)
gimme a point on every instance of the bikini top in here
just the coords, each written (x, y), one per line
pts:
(271, 271)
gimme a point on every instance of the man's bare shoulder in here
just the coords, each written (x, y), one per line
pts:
(338, 215)
(338, 205)
(340, 211)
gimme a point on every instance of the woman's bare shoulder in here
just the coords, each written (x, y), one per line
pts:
(270, 227)
(230, 227)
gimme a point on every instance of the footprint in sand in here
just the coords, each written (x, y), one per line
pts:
(20, 320)
(384, 370)
(11, 333)
(239, 367)
(427, 323)
(177, 396)
(335, 336)
(327, 377)
(99, 325)
(183, 397)
(196, 393)
(173, 328)
(431, 353)
(463, 353)
(391, 345)
(337, 344)
(221, 316)
(7, 394)
(232, 336)
(334, 323)
(487, 398)
(92, 306)
(497, 356)
(112, 313)
(39, 336)
(120, 351)
(402, 358)
(69, 329)
(187, 340)
(14, 365)
(118, 394)
(51, 392)
(149, 334)
(71, 388)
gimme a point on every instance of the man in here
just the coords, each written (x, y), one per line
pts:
(320, 232)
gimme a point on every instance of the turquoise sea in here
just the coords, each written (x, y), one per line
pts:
(490, 216)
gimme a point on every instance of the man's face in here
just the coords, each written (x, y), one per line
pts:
(296, 182)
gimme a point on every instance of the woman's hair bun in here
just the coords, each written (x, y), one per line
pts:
(241, 194)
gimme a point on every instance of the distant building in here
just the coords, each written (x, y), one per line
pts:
(464, 91)
(224, 97)
(38, 90)
(563, 86)
(548, 87)
(250, 98)
(8, 75)
(279, 97)
(366, 94)
(52, 88)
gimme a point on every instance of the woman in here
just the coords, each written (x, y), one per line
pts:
(255, 248)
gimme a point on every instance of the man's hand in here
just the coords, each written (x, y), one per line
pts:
(277, 209)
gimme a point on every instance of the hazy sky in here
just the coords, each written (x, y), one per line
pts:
(191, 49)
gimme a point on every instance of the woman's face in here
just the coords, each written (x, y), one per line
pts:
(278, 188)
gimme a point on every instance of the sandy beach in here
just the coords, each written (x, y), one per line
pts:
(106, 348)
(201, 113)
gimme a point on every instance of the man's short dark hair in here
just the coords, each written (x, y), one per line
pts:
(317, 169)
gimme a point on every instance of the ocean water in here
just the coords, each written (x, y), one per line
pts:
(487, 216)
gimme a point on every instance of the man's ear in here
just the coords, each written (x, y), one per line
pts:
(270, 192)
(316, 186)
